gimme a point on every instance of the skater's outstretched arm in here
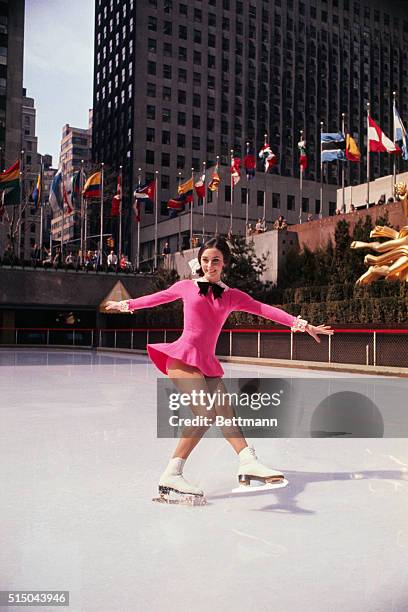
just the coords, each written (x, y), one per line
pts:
(146, 301)
(244, 302)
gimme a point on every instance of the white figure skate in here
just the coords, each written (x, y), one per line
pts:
(174, 488)
(252, 469)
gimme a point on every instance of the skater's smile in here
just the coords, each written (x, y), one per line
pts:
(212, 263)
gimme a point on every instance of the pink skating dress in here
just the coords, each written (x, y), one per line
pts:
(204, 317)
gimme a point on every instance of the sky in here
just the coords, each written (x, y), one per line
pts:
(58, 66)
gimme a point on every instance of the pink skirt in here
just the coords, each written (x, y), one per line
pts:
(207, 363)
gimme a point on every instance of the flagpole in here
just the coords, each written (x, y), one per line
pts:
(264, 198)
(63, 215)
(178, 215)
(41, 210)
(120, 213)
(21, 200)
(321, 173)
(101, 216)
(81, 173)
(191, 210)
(155, 218)
(138, 223)
(343, 191)
(204, 200)
(394, 162)
(247, 197)
(368, 155)
(232, 190)
(216, 199)
(301, 183)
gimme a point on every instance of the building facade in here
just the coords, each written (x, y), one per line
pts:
(177, 83)
(76, 146)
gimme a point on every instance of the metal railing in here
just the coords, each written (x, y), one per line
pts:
(372, 347)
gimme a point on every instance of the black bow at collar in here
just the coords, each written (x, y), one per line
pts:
(216, 289)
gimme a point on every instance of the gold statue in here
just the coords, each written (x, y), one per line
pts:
(393, 263)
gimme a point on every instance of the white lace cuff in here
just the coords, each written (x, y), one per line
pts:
(124, 306)
(299, 325)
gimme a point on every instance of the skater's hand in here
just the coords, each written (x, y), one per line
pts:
(314, 331)
(111, 305)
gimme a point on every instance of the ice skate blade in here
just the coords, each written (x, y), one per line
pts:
(182, 500)
(269, 486)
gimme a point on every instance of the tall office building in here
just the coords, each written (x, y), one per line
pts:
(75, 147)
(177, 83)
(11, 79)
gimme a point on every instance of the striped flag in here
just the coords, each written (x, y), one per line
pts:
(186, 189)
(36, 193)
(56, 195)
(378, 141)
(400, 133)
(332, 146)
(92, 188)
(10, 178)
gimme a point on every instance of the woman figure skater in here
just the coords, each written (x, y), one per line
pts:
(191, 363)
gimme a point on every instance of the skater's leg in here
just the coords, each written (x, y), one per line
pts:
(249, 465)
(232, 434)
(187, 379)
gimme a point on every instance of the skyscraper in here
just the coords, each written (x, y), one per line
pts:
(11, 79)
(178, 83)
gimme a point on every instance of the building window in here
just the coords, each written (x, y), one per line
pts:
(152, 24)
(181, 161)
(196, 122)
(196, 143)
(165, 182)
(196, 100)
(167, 28)
(151, 45)
(182, 97)
(149, 157)
(167, 50)
(166, 71)
(165, 137)
(227, 193)
(150, 134)
(305, 205)
(181, 118)
(244, 192)
(166, 93)
(150, 112)
(183, 9)
(197, 57)
(151, 90)
(182, 54)
(183, 32)
(182, 75)
(166, 115)
(291, 202)
(151, 68)
(165, 159)
(260, 198)
(197, 36)
(332, 208)
(181, 140)
(276, 200)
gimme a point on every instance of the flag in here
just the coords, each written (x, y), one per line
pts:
(400, 133)
(378, 142)
(92, 188)
(117, 198)
(215, 181)
(136, 208)
(269, 158)
(56, 195)
(177, 203)
(10, 178)
(250, 163)
(303, 155)
(235, 170)
(36, 193)
(146, 191)
(65, 198)
(200, 187)
(75, 189)
(332, 146)
(186, 189)
(352, 151)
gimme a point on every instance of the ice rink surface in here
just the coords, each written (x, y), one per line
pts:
(80, 462)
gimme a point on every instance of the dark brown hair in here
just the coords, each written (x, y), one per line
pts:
(215, 243)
